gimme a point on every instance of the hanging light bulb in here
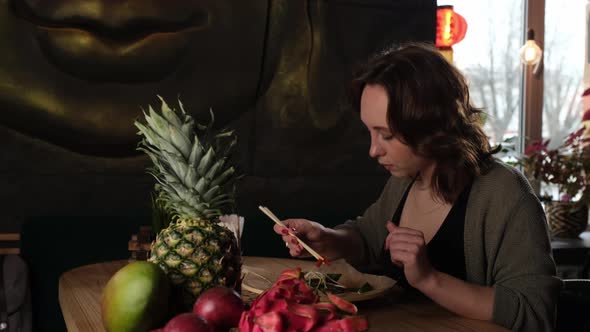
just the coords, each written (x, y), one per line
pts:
(530, 52)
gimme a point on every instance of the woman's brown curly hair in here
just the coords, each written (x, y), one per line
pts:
(429, 110)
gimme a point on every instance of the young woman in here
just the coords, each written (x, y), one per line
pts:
(452, 221)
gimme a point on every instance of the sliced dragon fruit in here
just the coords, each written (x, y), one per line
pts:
(290, 305)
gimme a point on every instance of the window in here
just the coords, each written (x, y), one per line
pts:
(488, 56)
(563, 68)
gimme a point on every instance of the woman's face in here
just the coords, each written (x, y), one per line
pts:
(397, 157)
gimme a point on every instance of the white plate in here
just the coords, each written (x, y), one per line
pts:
(260, 273)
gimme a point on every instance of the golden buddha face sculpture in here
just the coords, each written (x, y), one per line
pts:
(76, 72)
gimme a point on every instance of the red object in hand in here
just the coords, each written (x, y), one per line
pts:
(187, 322)
(221, 307)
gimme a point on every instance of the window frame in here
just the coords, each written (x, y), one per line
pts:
(531, 122)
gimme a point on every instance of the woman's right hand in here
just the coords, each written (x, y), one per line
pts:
(310, 232)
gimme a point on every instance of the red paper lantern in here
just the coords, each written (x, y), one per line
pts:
(450, 27)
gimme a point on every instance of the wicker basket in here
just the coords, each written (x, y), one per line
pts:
(566, 219)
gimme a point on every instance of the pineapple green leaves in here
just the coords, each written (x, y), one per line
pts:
(161, 217)
(190, 162)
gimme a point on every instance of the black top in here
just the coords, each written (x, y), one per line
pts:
(445, 249)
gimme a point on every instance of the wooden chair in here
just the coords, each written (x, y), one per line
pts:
(9, 243)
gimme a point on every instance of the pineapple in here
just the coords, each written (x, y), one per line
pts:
(195, 186)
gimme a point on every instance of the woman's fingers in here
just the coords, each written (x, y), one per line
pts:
(397, 237)
(401, 258)
(412, 238)
(405, 230)
(298, 225)
(306, 230)
(410, 247)
(401, 252)
(291, 226)
(403, 243)
(279, 229)
(387, 241)
(408, 238)
(285, 233)
(296, 251)
(291, 242)
(390, 226)
(397, 233)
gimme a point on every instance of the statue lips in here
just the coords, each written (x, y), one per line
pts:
(105, 42)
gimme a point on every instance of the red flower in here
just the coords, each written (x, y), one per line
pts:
(566, 166)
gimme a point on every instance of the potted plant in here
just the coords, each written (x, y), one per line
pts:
(567, 168)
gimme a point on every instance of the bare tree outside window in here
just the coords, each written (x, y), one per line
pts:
(489, 58)
(495, 84)
(563, 68)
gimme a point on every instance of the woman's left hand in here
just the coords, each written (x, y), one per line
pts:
(407, 248)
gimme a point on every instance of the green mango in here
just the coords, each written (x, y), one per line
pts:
(135, 299)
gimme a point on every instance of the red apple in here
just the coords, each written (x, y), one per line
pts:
(187, 322)
(222, 307)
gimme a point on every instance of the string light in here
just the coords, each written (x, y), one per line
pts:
(530, 52)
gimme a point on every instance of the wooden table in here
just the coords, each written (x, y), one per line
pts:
(80, 290)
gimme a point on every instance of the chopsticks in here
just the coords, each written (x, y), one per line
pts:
(320, 258)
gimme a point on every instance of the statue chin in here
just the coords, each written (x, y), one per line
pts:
(76, 73)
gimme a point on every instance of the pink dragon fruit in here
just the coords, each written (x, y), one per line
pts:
(290, 305)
